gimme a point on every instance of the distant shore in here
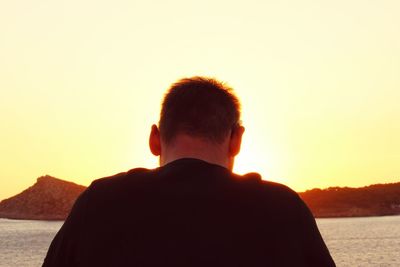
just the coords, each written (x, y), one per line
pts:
(51, 199)
(373, 200)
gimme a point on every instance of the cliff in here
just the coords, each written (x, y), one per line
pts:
(373, 200)
(48, 199)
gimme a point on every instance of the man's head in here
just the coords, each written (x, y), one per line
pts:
(200, 118)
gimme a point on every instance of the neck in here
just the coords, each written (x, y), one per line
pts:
(185, 146)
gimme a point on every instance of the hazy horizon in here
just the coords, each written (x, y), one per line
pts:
(319, 83)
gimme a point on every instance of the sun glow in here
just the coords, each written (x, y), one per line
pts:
(252, 158)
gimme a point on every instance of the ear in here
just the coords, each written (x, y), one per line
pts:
(155, 141)
(236, 140)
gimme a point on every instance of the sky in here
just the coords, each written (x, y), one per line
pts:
(81, 83)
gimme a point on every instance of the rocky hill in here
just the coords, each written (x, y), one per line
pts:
(48, 199)
(373, 200)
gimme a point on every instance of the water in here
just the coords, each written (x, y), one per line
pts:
(370, 241)
(25, 243)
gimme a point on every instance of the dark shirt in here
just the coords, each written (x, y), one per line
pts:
(188, 213)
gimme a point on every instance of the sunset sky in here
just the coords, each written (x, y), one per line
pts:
(81, 83)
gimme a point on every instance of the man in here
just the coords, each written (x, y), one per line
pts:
(192, 210)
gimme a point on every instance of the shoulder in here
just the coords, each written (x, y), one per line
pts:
(279, 189)
(288, 200)
(264, 185)
(268, 190)
(119, 181)
(119, 177)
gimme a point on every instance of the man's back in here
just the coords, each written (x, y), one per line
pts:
(188, 213)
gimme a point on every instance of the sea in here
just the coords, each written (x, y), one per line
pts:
(367, 241)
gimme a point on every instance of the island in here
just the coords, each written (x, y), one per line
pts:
(52, 199)
(48, 199)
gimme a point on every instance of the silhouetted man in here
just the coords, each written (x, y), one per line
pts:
(192, 210)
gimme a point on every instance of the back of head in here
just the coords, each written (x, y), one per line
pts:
(200, 107)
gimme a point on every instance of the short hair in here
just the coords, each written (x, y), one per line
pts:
(201, 107)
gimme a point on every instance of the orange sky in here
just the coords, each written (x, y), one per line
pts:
(81, 83)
